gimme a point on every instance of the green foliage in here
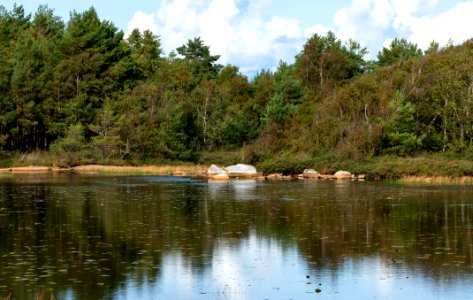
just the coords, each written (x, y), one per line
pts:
(220, 157)
(145, 53)
(277, 109)
(72, 149)
(325, 63)
(201, 62)
(399, 135)
(287, 164)
(399, 50)
(287, 94)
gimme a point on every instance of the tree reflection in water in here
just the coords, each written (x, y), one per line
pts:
(121, 237)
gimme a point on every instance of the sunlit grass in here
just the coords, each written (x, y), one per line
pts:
(144, 170)
(437, 180)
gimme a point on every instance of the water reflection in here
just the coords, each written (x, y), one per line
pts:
(237, 190)
(80, 237)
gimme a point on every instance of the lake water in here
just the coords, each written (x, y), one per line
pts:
(69, 236)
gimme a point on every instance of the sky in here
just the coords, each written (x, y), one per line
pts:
(258, 34)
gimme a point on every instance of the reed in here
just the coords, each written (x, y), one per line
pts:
(143, 170)
(36, 158)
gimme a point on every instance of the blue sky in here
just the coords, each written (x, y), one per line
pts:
(257, 34)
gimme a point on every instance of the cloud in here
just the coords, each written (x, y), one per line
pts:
(454, 24)
(237, 30)
(366, 21)
(317, 29)
(142, 21)
(245, 35)
(375, 23)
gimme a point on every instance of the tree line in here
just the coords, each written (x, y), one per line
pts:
(86, 93)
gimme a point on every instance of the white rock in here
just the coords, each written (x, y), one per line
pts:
(241, 170)
(214, 170)
(342, 175)
(310, 173)
(220, 177)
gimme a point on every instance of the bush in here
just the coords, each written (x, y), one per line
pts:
(286, 164)
(72, 149)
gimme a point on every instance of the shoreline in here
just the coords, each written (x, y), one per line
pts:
(183, 170)
(437, 180)
(201, 170)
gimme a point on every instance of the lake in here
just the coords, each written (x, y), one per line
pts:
(71, 236)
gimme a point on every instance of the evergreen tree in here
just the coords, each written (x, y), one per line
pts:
(398, 51)
(202, 63)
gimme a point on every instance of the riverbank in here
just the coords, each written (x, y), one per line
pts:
(437, 180)
(174, 170)
(201, 170)
(426, 168)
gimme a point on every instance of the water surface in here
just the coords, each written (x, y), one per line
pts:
(72, 236)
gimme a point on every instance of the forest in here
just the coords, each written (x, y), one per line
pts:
(83, 92)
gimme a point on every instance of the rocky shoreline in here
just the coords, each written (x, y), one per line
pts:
(238, 171)
(244, 171)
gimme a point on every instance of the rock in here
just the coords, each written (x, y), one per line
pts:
(342, 175)
(361, 177)
(311, 173)
(220, 177)
(241, 170)
(327, 176)
(179, 174)
(214, 170)
(274, 176)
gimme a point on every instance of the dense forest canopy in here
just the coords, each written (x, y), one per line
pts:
(87, 93)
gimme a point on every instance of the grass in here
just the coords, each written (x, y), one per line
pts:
(184, 169)
(436, 168)
(392, 167)
(436, 180)
(41, 161)
(36, 158)
(221, 157)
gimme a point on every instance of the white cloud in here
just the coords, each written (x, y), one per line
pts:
(241, 32)
(142, 21)
(454, 24)
(317, 29)
(215, 25)
(366, 21)
(375, 23)
(280, 27)
(235, 29)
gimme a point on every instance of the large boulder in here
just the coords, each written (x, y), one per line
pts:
(241, 170)
(215, 170)
(342, 175)
(217, 173)
(274, 176)
(220, 177)
(311, 173)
